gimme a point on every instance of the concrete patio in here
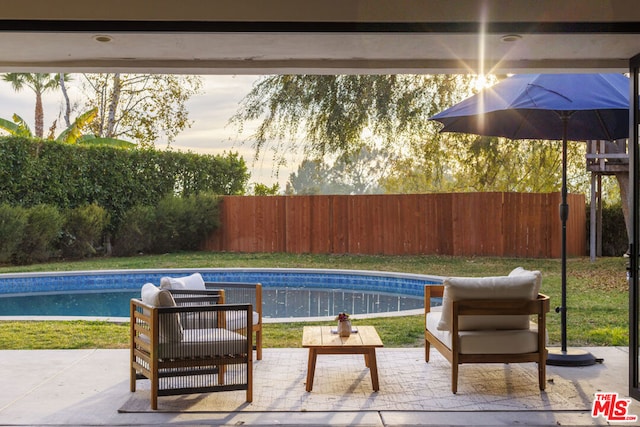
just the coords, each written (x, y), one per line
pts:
(91, 387)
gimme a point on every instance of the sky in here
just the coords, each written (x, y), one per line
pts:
(209, 112)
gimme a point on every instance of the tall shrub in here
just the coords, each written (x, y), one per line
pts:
(205, 218)
(40, 234)
(136, 231)
(83, 231)
(187, 221)
(175, 224)
(13, 220)
(184, 223)
(170, 223)
(615, 241)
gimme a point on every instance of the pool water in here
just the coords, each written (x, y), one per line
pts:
(277, 303)
(287, 292)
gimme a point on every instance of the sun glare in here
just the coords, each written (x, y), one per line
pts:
(481, 82)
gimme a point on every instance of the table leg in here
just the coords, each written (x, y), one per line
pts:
(311, 368)
(373, 369)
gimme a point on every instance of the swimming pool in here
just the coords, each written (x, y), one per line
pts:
(287, 293)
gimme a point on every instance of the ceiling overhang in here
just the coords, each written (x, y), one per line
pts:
(332, 37)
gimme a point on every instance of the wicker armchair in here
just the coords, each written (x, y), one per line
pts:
(179, 360)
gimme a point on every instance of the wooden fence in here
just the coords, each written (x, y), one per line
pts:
(491, 224)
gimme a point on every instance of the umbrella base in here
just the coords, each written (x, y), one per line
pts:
(571, 357)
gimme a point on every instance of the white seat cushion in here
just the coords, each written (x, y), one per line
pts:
(516, 341)
(205, 342)
(235, 320)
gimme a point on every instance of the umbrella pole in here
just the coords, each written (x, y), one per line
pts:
(564, 215)
(564, 357)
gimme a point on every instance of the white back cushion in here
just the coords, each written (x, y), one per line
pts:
(519, 286)
(170, 327)
(194, 282)
(519, 270)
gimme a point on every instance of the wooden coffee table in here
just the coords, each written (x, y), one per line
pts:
(320, 340)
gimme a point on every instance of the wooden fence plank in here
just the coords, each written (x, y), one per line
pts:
(444, 225)
(297, 216)
(339, 225)
(355, 226)
(576, 225)
(320, 230)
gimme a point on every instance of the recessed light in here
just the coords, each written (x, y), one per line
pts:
(510, 38)
(102, 38)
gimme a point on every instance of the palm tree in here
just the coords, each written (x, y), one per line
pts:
(39, 83)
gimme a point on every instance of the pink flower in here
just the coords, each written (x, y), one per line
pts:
(342, 317)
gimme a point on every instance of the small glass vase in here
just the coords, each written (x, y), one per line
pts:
(344, 328)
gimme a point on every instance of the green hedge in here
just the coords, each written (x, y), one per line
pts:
(69, 176)
(175, 224)
(43, 232)
(83, 231)
(39, 235)
(13, 220)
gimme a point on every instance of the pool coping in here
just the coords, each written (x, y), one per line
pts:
(354, 272)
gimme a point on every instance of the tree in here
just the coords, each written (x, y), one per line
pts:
(320, 114)
(349, 174)
(140, 107)
(362, 171)
(334, 113)
(260, 189)
(67, 103)
(309, 178)
(39, 83)
(470, 163)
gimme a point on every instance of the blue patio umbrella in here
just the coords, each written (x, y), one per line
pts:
(575, 107)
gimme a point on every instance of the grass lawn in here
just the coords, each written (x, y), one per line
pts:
(597, 297)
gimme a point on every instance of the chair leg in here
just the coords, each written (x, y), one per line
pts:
(259, 344)
(454, 378)
(154, 379)
(154, 392)
(427, 349)
(132, 379)
(132, 351)
(222, 370)
(542, 375)
(250, 381)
